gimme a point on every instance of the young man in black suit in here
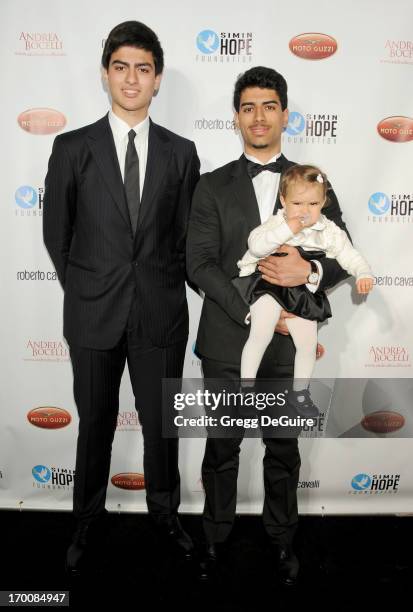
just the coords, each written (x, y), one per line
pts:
(228, 203)
(116, 207)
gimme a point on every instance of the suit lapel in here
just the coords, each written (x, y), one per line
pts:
(103, 149)
(159, 153)
(245, 194)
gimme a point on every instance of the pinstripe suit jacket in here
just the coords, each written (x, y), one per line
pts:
(88, 235)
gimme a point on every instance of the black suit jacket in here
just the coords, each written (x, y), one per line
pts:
(88, 234)
(224, 211)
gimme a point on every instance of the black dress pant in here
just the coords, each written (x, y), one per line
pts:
(221, 462)
(97, 376)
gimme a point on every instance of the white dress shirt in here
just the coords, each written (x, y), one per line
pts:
(120, 130)
(266, 187)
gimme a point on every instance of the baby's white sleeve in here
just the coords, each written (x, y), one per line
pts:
(349, 258)
(266, 238)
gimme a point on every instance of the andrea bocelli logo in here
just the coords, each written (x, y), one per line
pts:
(46, 350)
(40, 43)
(128, 421)
(398, 51)
(388, 356)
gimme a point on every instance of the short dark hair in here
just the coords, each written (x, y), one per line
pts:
(265, 78)
(133, 34)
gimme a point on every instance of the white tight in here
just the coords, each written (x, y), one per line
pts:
(265, 313)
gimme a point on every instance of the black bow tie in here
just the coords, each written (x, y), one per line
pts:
(253, 169)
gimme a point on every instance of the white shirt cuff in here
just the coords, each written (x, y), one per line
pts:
(313, 288)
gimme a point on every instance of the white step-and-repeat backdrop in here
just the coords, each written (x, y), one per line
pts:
(349, 66)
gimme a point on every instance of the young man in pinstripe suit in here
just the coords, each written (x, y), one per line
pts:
(116, 206)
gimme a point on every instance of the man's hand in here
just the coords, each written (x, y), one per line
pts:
(287, 271)
(281, 327)
(320, 350)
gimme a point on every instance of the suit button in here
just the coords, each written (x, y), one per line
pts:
(135, 263)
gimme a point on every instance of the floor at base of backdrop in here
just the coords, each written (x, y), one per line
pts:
(347, 563)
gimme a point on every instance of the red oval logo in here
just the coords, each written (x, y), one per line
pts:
(396, 129)
(41, 121)
(49, 417)
(129, 480)
(313, 46)
(383, 421)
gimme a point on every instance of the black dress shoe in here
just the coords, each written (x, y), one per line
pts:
(76, 553)
(287, 566)
(86, 538)
(172, 529)
(208, 563)
(212, 556)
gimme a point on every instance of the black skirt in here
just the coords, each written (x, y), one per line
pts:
(297, 300)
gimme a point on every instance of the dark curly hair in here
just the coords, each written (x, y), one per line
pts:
(265, 78)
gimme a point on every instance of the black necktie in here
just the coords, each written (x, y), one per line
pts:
(131, 180)
(253, 169)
